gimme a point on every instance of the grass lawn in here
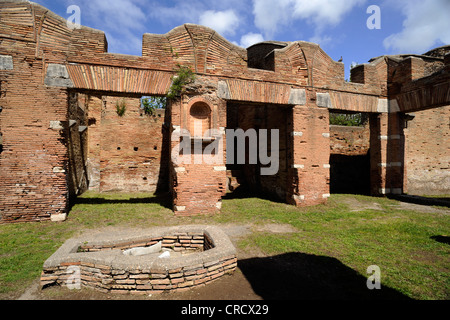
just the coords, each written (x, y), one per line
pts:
(410, 247)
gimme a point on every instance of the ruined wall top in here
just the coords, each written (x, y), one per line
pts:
(295, 63)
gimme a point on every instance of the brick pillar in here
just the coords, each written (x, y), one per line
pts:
(378, 153)
(396, 154)
(310, 169)
(386, 154)
(197, 186)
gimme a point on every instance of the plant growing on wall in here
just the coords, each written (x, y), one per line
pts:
(183, 77)
(121, 108)
(151, 104)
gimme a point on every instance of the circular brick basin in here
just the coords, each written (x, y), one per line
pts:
(198, 255)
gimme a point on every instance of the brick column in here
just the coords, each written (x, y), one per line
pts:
(396, 154)
(197, 186)
(378, 153)
(386, 154)
(310, 169)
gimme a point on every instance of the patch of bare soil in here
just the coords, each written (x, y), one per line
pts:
(356, 205)
(422, 208)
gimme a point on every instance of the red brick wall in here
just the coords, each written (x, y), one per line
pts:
(198, 188)
(125, 153)
(428, 152)
(310, 172)
(33, 163)
(351, 141)
(42, 159)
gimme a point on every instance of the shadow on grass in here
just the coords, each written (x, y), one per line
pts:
(441, 239)
(298, 276)
(243, 192)
(162, 199)
(426, 201)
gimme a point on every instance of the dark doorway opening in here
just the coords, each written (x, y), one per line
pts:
(349, 153)
(350, 174)
(252, 179)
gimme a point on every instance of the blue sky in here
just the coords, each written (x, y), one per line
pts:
(339, 26)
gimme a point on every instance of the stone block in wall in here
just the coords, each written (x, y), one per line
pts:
(57, 76)
(6, 63)
(324, 100)
(297, 97)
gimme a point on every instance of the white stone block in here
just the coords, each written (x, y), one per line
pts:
(220, 168)
(58, 217)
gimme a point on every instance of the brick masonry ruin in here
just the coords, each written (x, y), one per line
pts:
(204, 255)
(61, 134)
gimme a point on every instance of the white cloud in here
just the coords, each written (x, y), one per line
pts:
(321, 40)
(323, 12)
(271, 15)
(120, 25)
(250, 39)
(224, 22)
(113, 15)
(427, 24)
(182, 12)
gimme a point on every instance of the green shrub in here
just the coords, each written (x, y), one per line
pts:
(121, 108)
(343, 119)
(150, 104)
(184, 76)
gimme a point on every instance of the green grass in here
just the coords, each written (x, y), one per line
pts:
(398, 241)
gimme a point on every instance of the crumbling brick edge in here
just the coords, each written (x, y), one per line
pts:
(105, 268)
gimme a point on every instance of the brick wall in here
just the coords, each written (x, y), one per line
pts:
(125, 153)
(44, 65)
(309, 175)
(349, 140)
(428, 152)
(198, 187)
(34, 124)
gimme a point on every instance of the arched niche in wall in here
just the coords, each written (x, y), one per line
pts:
(200, 118)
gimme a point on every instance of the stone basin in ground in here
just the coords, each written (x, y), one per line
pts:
(198, 255)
